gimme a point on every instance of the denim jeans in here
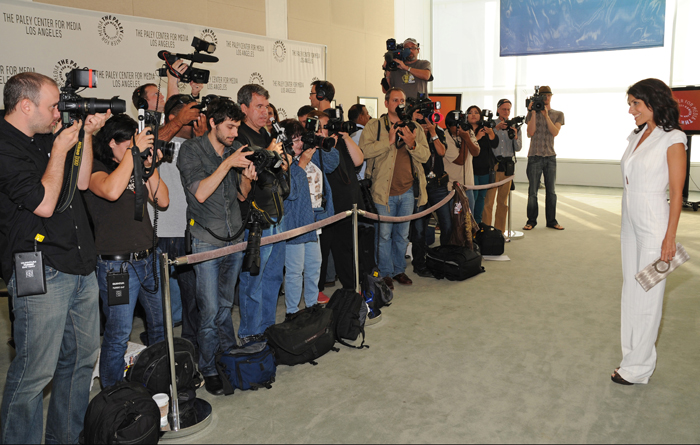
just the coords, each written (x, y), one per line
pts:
(480, 196)
(393, 237)
(536, 167)
(187, 285)
(120, 318)
(259, 293)
(470, 198)
(57, 336)
(420, 226)
(216, 282)
(303, 268)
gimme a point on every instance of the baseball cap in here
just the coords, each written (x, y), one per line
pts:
(412, 40)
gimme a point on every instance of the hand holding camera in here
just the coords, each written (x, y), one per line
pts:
(239, 159)
(188, 113)
(480, 133)
(305, 157)
(67, 137)
(408, 136)
(94, 122)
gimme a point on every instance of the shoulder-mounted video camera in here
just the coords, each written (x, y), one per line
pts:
(537, 100)
(75, 107)
(513, 125)
(395, 52)
(192, 74)
(313, 140)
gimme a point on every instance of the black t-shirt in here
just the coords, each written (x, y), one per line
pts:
(68, 245)
(116, 230)
(484, 163)
(435, 164)
(343, 180)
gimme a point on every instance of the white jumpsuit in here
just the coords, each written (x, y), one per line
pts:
(645, 213)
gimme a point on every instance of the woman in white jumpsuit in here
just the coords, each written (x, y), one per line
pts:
(655, 161)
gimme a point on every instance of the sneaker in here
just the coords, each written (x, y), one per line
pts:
(214, 385)
(323, 298)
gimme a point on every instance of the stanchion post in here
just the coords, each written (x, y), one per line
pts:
(511, 234)
(168, 322)
(356, 247)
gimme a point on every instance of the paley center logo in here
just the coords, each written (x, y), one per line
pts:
(279, 51)
(110, 30)
(688, 112)
(210, 36)
(282, 113)
(257, 78)
(63, 67)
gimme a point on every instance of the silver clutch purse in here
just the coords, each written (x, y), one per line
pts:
(659, 270)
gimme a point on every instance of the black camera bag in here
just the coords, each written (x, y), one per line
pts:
(121, 414)
(349, 315)
(152, 368)
(490, 240)
(303, 338)
(456, 263)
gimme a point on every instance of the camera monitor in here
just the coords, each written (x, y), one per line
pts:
(689, 106)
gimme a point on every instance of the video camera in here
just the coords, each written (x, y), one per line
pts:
(335, 122)
(192, 74)
(311, 139)
(395, 52)
(513, 125)
(537, 100)
(486, 120)
(75, 107)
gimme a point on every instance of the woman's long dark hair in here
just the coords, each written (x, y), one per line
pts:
(470, 109)
(657, 95)
(120, 127)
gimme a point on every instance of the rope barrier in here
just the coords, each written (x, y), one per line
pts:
(376, 217)
(488, 186)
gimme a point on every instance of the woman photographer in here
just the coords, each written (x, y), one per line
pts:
(655, 160)
(123, 243)
(309, 200)
(461, 148)
(485, 161)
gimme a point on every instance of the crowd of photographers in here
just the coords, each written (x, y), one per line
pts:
(213, 172)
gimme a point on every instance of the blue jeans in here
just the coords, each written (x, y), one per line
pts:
(393, 237)
(536, 167)
(57, 336)
(259, 293)
(216, 281)
(120, 318)
(303, 268)
(420, 226)
(470, 198)
(480, 196)
(186, 281)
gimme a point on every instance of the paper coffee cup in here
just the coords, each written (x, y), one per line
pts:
(163, 402)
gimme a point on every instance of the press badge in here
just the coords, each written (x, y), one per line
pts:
(117, 288)
(30, 277)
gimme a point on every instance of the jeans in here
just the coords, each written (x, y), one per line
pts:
(393, 237)
(480, 196)
(470, 198)
(120, 318)
(259, 293)
(419, 226)
(216, 281)
(303, 268)
(187, 285)
(536, 167)
(57, 336)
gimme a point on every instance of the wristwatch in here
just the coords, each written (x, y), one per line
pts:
(434, 138)
(409, 69)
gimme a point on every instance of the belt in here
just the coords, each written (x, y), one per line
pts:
(127, 256)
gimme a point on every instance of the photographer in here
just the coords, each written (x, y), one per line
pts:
(123, 243)
(360, 116)
(310, 200)
(505, 155)
(461, 148)
(213, 209)
(485, 161)
(259, 293)
(148, 97)
(395, 155)
(542, 127)
(337, 238)
(412, 75)
(436, 189)
(57, 334)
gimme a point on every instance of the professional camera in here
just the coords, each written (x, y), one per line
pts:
(457, 118)
(537, 100)
(150, 121)
(395, 52)
(486, 120)
(75, 107)
(192, 74)
(280, 135)
(335, 122)
(405, 115)
(311, 139)
(426, 108)
(208, 99)
(513, 125)
(264, 159)
(251, 260)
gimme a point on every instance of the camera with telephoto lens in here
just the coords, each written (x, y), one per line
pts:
(313, 140)
(513, 125)
(335, 122)
(191, 74)
(426, 107)
(74, 107)
(486, 120)
(251, 260)
(264, 159)
(537, 100)
(395, 52)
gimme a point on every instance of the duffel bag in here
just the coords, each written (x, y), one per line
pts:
(303, 338)
(251, 367)
(490, 240)
(455, 263)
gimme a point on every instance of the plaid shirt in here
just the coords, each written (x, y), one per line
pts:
(542, 142)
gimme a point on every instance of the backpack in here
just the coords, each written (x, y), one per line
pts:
(250, 367)
(463, 224)
(456, 263)
(490, 240)
(303, 338)
(349, 315)
(375, 291)
(121, 414)
(152, 368)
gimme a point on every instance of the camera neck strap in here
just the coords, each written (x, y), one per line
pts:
(138, 182)
(70, 182)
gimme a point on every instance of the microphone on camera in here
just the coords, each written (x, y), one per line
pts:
(199, 58)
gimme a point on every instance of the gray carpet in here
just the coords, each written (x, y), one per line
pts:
(521, 353)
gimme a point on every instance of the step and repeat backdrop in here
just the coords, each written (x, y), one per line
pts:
(124, 50)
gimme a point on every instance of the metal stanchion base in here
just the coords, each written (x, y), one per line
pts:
(200, 419)
(514, 234)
